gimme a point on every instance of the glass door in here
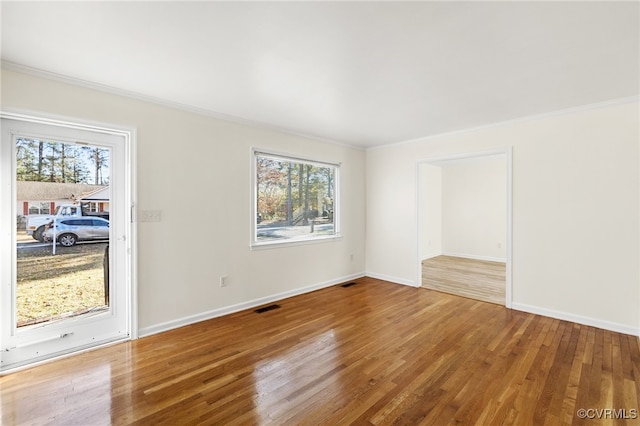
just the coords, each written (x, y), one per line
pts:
(65, 263)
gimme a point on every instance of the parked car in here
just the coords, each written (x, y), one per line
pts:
(37, 223)
(69, 231)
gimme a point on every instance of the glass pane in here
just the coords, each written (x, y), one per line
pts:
(70, 277)
(295, 200)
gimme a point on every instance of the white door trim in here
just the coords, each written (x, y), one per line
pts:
(129, 136)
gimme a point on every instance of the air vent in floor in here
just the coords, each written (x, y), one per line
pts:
(348, 284)
(266, 308)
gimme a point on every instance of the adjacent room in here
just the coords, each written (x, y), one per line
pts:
(463, 211)
(320, 213)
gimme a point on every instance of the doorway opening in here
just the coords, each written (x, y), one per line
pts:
(464, 225)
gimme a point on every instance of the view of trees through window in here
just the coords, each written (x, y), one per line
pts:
(48, 161)
(295, 198)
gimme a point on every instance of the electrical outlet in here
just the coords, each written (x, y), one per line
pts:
(499, 245)
(150, 215)
(224, 281)
(351, 257)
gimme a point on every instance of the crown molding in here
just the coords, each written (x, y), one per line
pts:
(11, 66)
(35, 72)
(507, 123)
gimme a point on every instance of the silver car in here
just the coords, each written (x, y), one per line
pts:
(70, 231)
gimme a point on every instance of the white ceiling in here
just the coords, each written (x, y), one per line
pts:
(360, 73)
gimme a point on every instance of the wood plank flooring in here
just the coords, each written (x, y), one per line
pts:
(372, 353)
(477, 279)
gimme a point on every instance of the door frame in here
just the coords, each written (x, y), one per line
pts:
(508, 153)
(129, 136)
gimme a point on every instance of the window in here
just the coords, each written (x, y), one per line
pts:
(295, 200)
(39, 208)
(91, 206)
(78, 222)
(66, 211)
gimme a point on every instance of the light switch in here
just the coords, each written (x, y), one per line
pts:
(150, 216)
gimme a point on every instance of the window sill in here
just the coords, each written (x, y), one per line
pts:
(266, 245)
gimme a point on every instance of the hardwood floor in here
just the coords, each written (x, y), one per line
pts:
(372, 353)
(477, 279)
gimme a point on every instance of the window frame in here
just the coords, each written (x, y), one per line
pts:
(255, 244)
(40, 207)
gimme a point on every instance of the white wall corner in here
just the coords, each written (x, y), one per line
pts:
(391, 279)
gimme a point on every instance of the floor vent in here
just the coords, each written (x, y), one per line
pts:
(266, 308)
(348, 284)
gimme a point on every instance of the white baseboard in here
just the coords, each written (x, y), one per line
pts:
(426, 256)
(192, 319)
(579, 319)
(394, 280)
(181, 322)
(473, 256)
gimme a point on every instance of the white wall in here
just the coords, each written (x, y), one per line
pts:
(576, 197)
(430, 199)
(183, 159)
(575, 211)
(474, 208)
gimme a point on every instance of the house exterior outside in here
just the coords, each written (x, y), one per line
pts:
(43, 197)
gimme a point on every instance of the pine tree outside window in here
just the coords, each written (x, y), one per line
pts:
(295, 200)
